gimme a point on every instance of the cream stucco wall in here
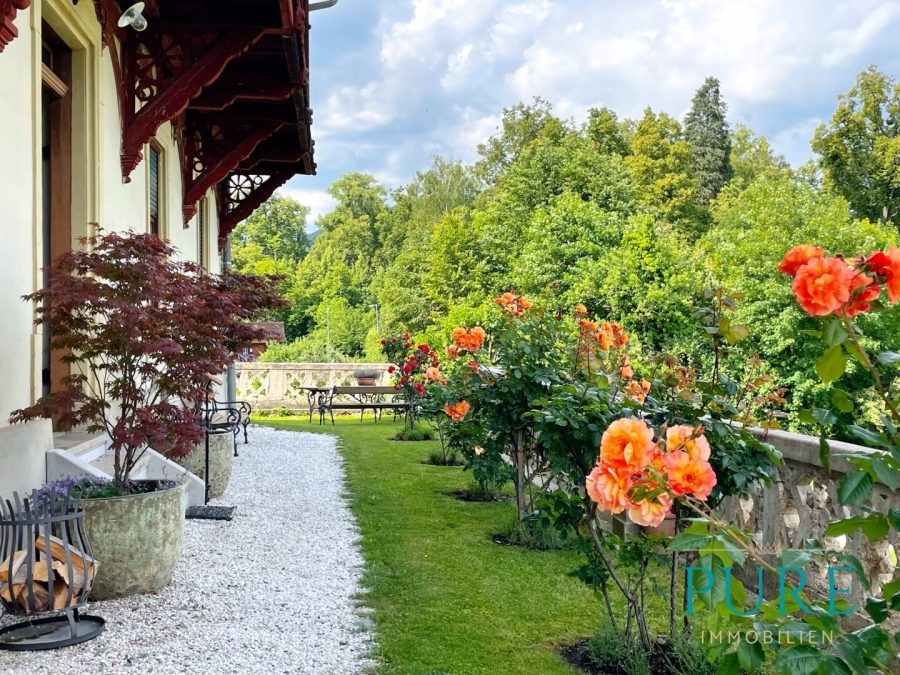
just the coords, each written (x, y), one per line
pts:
(17, 194)
(98, 192)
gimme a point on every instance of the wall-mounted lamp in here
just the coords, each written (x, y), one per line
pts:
(134, 17)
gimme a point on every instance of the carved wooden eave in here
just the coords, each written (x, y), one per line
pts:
(8, 10)
(242, 193)
(233, 78)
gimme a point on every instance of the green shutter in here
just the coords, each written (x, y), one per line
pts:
(154, 190)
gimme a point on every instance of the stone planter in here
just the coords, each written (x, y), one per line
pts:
(137, 540)
(366, 378)
(221, 460)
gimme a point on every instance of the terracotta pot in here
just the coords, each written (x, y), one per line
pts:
(136, 539)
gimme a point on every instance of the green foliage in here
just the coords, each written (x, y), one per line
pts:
(860, 147)
(752, 156)
(609, 653)
(420, 433)
(273, 239)
(614, 215)
(660, 164)
(706, 129)
(752, 228)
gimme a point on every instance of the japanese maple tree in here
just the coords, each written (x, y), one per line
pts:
(141, 331)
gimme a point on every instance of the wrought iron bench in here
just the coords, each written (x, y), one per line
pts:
(223, 413)
(362, 399)
(226, 414)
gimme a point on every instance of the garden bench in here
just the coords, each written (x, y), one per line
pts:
(362, 399)
(234, 415)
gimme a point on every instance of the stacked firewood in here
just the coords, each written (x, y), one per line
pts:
(68, 583)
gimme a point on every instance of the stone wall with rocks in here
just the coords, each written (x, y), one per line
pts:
(800, 505)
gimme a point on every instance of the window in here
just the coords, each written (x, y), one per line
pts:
(155, 196)
(202, 237)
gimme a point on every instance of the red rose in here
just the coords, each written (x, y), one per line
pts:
(391, 369)
(403, 380)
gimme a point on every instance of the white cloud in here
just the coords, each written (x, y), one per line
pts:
(440, 71)
(850, 41)
(318, 201)
(353, 109)
(473, 129)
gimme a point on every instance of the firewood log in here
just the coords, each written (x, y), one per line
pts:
(18, 571)
(41, 598)
(61, 596)
(58, 552)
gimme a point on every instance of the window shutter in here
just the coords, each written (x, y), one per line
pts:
(154, 190)
(201, 233)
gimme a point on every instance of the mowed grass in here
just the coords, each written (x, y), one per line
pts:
(447, 599)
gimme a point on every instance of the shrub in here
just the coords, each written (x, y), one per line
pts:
(419, 433)
(610, 654)
(141, 330)
(438, 458)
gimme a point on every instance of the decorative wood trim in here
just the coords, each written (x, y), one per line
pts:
(194, 62)
(241, 194)
(217, 169)
(8, 10)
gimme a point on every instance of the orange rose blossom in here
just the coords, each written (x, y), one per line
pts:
(826, 286)
(639, 475)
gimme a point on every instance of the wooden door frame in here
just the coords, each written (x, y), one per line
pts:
(57, 81)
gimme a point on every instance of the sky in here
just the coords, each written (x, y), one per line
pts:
(394, 82)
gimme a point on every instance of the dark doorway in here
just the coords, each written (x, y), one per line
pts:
(56, 144)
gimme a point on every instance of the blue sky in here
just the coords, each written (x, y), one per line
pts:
(396, 81)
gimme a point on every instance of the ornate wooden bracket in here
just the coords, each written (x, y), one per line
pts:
(212, 150)
(164, 70)
(241, 194)
(8, 10)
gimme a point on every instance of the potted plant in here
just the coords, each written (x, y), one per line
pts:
(366, 377)
(140, 331)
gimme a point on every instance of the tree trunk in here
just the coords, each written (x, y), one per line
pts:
(518, 439)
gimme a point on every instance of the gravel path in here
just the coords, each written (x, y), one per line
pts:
(270, 592)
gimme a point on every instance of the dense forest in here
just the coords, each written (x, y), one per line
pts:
(633, 218)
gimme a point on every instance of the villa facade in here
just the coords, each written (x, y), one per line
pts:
(182, 129)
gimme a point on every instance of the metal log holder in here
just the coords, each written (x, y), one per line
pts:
(46, 573)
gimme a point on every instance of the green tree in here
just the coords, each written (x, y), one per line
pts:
(752, 229)
(563, 241)
(605, 130)
(520, 125)
(706, 129)
(859, 148)
(659, 164)
(273, 239)
(342, 261)
(752, 156)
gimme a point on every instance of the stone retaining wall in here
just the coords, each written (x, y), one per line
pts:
(800, 505)
(267, 386)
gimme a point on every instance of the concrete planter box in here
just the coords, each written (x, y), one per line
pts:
(221, 461)
(137, 540)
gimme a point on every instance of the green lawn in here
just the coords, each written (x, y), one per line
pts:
(446, 599)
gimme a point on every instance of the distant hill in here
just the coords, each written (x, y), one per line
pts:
(312, 236)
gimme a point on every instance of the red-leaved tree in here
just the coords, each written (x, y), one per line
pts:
(141, 332)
